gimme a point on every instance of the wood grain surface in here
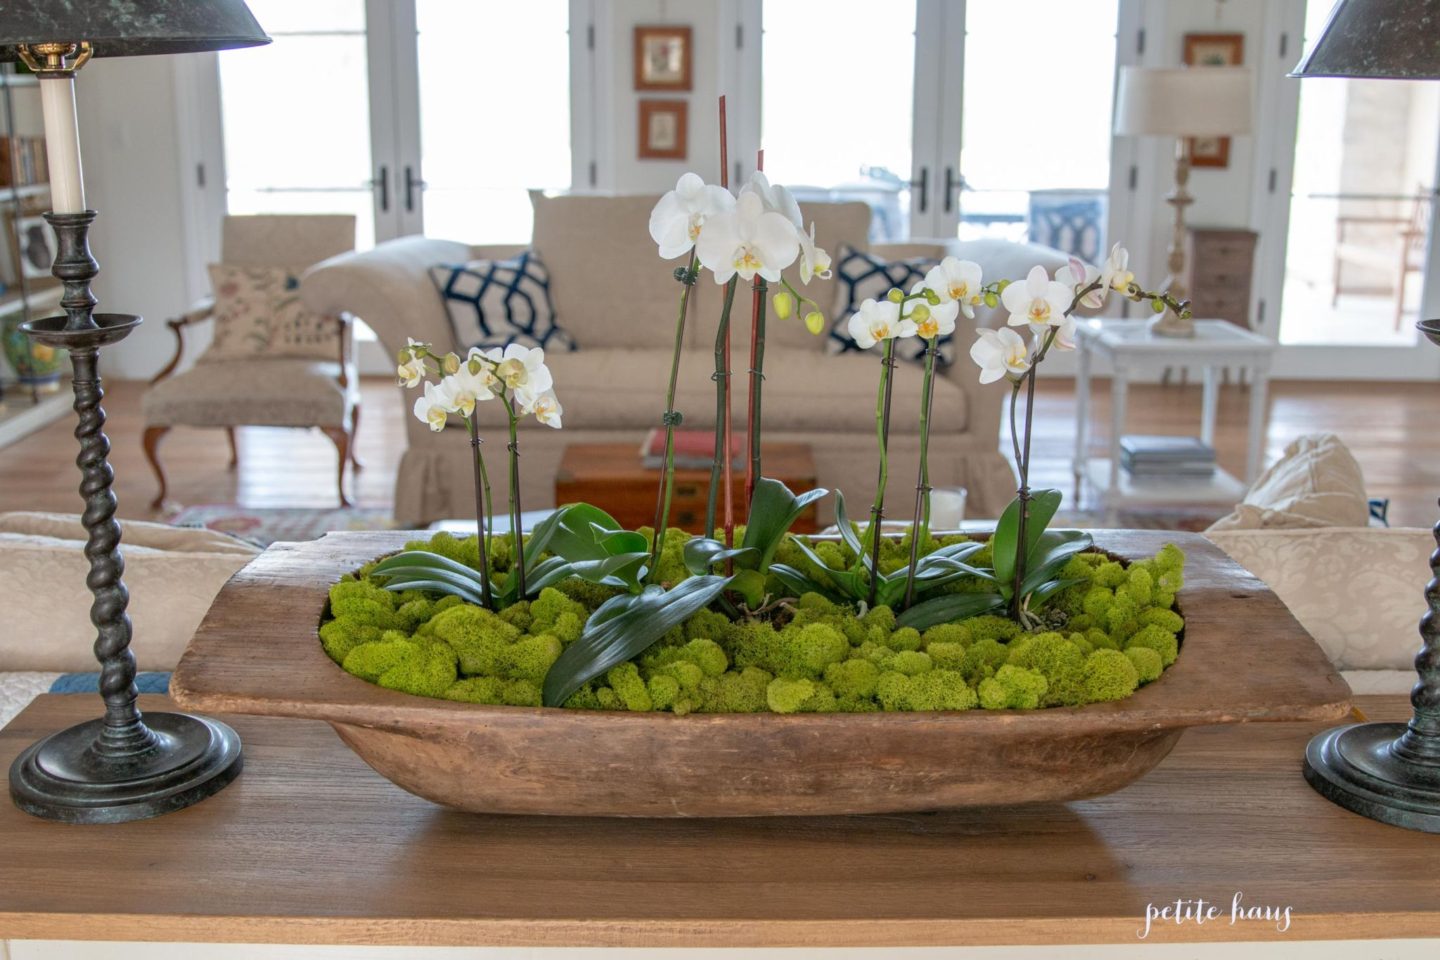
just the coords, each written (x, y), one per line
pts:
(310, 846)
(1244, 658)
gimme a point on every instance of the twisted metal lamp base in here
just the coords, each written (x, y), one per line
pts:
(123, 766)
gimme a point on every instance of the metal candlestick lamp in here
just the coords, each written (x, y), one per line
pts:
(1386, 771)
(123, 766)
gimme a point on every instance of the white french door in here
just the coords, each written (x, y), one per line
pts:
(418, 116)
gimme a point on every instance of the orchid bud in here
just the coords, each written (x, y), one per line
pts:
(991, 300)
(920, 314)
(784, 304)
(474, 366)
(815, 322)
(931, 297)
(1001, 285)
(896, 295)
(403, 357)
(1157, 305)
(451, 364)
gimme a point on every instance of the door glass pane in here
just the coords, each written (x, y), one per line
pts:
(494, 113)
(825, 144)
(1359, 208)
(296, 114)
(1036, 155)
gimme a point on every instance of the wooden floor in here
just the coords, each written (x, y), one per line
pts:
(1391, 427)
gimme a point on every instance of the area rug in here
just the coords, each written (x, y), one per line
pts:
(263, 526)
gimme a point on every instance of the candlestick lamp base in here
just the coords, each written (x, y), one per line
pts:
(1357, 767)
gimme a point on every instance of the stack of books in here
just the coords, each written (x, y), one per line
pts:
(22, 161)
(1166, 457)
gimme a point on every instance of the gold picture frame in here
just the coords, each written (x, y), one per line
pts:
(662, 58)
(1213, 50)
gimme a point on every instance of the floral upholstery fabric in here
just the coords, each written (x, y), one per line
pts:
(1359, 591)
(261, 391)
(258, 313)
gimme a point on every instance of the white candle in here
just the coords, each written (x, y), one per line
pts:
(62, 144)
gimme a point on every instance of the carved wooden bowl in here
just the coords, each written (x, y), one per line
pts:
(1244, 659)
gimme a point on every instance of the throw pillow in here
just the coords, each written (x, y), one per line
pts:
(864, 276)
(494, 303)
(1317, 483)
(258, 313)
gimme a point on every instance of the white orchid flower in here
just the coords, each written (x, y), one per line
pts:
(410, 373)
(1116, 273)
(748, 240)
(1000, 353)
(677, 220)
(1037, 299)
(1078, 276)
(776, 199)
(546, 408)
(521, 369)
(814, 262)
(1064, 334)
(957, 280)
(878, 320)
(938, 320)
(433, 407)
(465, 389)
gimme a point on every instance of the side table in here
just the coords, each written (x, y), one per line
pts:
(1131, 349)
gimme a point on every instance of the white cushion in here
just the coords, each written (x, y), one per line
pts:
(260, 392)
(258, 313)
(1317, 483)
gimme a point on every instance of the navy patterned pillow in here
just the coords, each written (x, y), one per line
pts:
(864, 276)
(494, 303)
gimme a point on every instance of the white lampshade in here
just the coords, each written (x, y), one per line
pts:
(1183, 101)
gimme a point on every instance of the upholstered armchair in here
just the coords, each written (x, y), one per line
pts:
(275, 366)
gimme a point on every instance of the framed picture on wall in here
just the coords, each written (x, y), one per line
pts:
(663, 127)
(662, 58)
(1213, 50)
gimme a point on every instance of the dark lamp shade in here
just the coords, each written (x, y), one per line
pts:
(129, 28)
(1380, 39)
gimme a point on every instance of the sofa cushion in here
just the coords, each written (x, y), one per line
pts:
(1359, 591)
(259, 392)
(1316, 483)
(494, 303)
(258, 313)
(173, 575)
(805, 390)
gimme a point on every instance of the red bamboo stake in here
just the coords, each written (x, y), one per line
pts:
(757, 302)
(726, 484)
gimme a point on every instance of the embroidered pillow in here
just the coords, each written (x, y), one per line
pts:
(494, 303)
(864, 276)
(258, 313)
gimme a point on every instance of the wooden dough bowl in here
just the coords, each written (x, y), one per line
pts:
(258, 652)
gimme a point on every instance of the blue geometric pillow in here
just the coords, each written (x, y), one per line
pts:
(494, 303)
(864, 276)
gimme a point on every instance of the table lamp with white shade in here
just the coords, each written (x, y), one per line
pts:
(122, 766)
(1182, 102)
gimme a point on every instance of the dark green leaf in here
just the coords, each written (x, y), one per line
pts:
(443, 574)
(573, 534)
(626, 630)
(619, 541)
(1045, 591)
(797, 582)
(949, 607)
(439, 586)
(621, 570)
(773, 510)
(851, 583)
(702, 553)
(750, 585)
(1043, 504)
(847, 531)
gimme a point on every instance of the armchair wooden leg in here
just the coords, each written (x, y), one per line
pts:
(234, 452)
(355, 432)
(151, 443)
(341, 439)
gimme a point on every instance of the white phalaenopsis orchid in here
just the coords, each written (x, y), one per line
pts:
(678, 219)
(546, 408)
(1000, 353)
(434, 406)
(522, 370)
(775, 198)
(465, 389)
(410, 373)
(814, 262)
(876, 321)
(1116, 273)
(956, 280)
(748, 240)
(1037, 300)
(1078, 276)
(935, 321)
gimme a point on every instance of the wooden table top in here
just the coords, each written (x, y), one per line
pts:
(311, 846)
(593, 462)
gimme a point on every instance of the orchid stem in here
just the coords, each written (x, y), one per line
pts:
(921, 526)
(671, 419)
(882, 434)
(481, 511)
(517, 531)
(757, 382)
(722, 408)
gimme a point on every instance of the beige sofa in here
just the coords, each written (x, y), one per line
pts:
(618, 300)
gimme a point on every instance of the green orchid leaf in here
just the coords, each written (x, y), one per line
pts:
(626, 629)
(852, 583)
(1042, 594)
(798, 583)
(773, 511)
(750, 585)
(573, 532)
(619, 541)
(847, 531)
(1043, 505)
(439, 586)
(625, 570)
(1052, 553)
(446, 575)
(545, 573)
(949, 607)
(700, 554)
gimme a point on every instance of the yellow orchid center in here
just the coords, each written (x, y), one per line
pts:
(745, 259)
(696, 222)
(928, 328)
(879, 330)
(512, 372)
(435, 417)
(1039, 311)
(959, 290)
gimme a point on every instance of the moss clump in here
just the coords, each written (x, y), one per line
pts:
(1110, 632)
